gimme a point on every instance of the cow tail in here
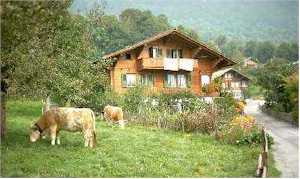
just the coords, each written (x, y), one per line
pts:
(94, 131)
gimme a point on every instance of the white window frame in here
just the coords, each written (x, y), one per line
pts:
(171, 80)
(182, 81)
(133, 80)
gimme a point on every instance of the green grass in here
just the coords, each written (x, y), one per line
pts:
(133, 152)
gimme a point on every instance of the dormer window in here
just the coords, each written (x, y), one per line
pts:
(155, 52)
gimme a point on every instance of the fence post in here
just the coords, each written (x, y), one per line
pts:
(262, 166)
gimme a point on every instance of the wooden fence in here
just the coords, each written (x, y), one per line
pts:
(262, 166)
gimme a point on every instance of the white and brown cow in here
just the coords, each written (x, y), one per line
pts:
(114, 114)
(69, 119)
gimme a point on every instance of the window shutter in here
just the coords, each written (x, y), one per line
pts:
(123, 80)
(159, 52)
(151, 52)
(151, 78)
(189, 79)
(166, 80)
(180, 53)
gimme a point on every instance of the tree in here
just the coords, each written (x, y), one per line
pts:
(47, 51)
(221, 41)
(189, 32)
(233, 49)
(271, 77)
(141, 24)
(292, 90)
(287, 51)
(25, 23)
(250, 49)
(265, 51)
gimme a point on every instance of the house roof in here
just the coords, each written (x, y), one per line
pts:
(250, 59)
(221, 72)
(164, 34)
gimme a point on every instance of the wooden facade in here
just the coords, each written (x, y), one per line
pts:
(233, 81)
(250, 63)
(147, 62)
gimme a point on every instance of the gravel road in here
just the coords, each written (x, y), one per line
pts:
(285, 136)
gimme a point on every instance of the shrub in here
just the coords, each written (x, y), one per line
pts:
(133, 99)
(200, 121)
(242, 130)
(226, 110)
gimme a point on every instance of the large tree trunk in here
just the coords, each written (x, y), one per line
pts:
(3, 115)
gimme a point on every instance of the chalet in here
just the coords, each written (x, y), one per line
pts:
(250, 63)
(232, 81)
(167, 62)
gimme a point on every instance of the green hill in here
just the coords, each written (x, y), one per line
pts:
(273, 20)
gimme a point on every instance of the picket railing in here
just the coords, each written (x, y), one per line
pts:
(262, 166)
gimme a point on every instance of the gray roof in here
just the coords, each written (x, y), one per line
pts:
(221, 72)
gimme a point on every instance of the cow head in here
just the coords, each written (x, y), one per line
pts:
(35, 133)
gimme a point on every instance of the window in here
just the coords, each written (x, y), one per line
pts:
(177, 80)
(155, 52)
(235, 84)
(244, 84)
(175, 53)
(171, 80)
(147, 79)
(128, 80)
(181, 81)
(205, 80)
(228, 75)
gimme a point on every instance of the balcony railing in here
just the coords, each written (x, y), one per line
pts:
(152, 63)
(172, 64)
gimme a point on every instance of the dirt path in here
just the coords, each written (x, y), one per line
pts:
(285, 136)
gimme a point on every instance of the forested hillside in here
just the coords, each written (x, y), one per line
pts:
(260, 20)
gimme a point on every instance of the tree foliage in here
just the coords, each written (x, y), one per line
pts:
(49, 51)
(272, 78)
(52, 52)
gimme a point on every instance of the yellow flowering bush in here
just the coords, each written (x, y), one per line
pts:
(245, 122)
(242, 130)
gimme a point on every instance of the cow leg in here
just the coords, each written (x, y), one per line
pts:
(122, 124)
(57, 138)
(53, 134)
(90, 141)
(86, 139)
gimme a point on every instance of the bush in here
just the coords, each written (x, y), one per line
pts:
(133, 100)
(226, 110)
(200, 121)
(253, 91)
(242, 130)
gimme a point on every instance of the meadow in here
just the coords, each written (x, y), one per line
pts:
(135, 151)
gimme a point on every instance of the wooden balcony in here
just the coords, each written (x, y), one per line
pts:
(151, 63)
(166, 63)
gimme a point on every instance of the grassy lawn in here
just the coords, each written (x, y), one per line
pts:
(134, 151)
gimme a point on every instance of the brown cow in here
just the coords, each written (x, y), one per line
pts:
(114, 114)
(69, 119)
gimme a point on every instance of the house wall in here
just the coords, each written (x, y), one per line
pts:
(123, 66)
(235, 78)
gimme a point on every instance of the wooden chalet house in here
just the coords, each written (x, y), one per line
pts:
(167, 62)
(250, 63)
(233, 81)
